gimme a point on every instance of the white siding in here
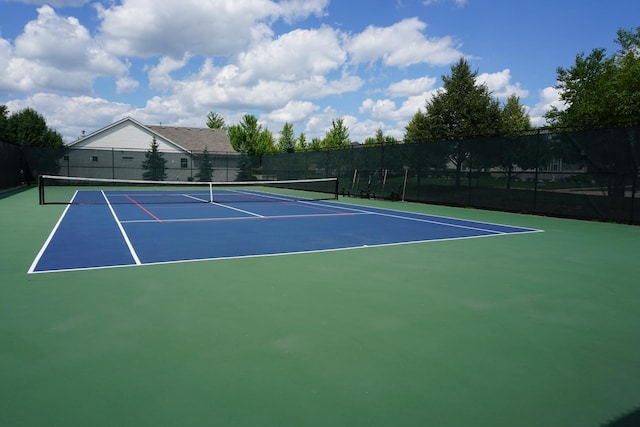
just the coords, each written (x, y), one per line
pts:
(126, 136)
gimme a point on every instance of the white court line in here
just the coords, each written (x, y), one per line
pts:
(53, 232)
(302, 252)
(225, 206)
(124, 233)
(244, 218)
(336, 205)
(430, 221)
(260, 195)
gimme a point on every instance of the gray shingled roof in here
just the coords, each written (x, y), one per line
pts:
(196, 139)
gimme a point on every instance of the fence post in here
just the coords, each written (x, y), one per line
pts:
(535, 179)
(634, 184)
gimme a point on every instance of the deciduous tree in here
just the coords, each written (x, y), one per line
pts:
(337, 136)
(249, 138)
(29, 128)
(599, 90)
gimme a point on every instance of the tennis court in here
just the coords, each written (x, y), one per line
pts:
(372, 313)
(110, 228)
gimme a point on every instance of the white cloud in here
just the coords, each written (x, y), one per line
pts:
(402, 45)
(147, 28)
(549, 97)
(410, 87)
(126, 85)
(293, 112)
(387, 110)
(292, 10)
(293, 56)
(238, 87)
(319, 123)
(160, 75)
(55, 53)
(500, 86)
(57, 110)
(63, 43)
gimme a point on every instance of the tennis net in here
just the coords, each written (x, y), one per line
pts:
(79, 190)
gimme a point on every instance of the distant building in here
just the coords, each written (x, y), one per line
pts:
(118, 150)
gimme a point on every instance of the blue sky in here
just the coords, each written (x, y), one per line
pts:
(373, 63)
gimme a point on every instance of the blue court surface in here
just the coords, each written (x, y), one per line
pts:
(116, 229)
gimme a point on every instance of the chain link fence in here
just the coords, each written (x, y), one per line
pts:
(11, 166)
(590, 174)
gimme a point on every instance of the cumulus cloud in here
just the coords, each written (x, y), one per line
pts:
(55, 53)
(402, 45)
(160, 75)
(63, 43)
(147, 28)
(387, 110)
(549, 98)
(95, 113)
(410, 87)
(500, 86)
(126, 85)
(240, 87)
(293, 56)
(292, 10)
(293, 112)
(222, 56)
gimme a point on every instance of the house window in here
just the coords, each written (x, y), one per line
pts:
(66, 157)
(94, 158)
(184, 163)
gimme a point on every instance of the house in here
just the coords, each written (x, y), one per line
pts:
(118, 150)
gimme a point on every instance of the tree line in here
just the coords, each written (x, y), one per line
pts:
(598, 90)
(249, 137)
(27, 128)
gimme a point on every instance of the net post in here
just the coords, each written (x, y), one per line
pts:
(404, 186)
(210, 192)
(40, 190)
(353, 181)
(337, 188)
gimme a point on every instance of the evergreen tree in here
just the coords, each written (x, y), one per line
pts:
(155, 164)
(215, 121)
(287, 140)
(462, 110)
(316, 144)
(514, 118)
(301, 144)
(380, 139)
(511, 152)
(205, 167)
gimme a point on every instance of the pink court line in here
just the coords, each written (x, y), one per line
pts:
(143, 208)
